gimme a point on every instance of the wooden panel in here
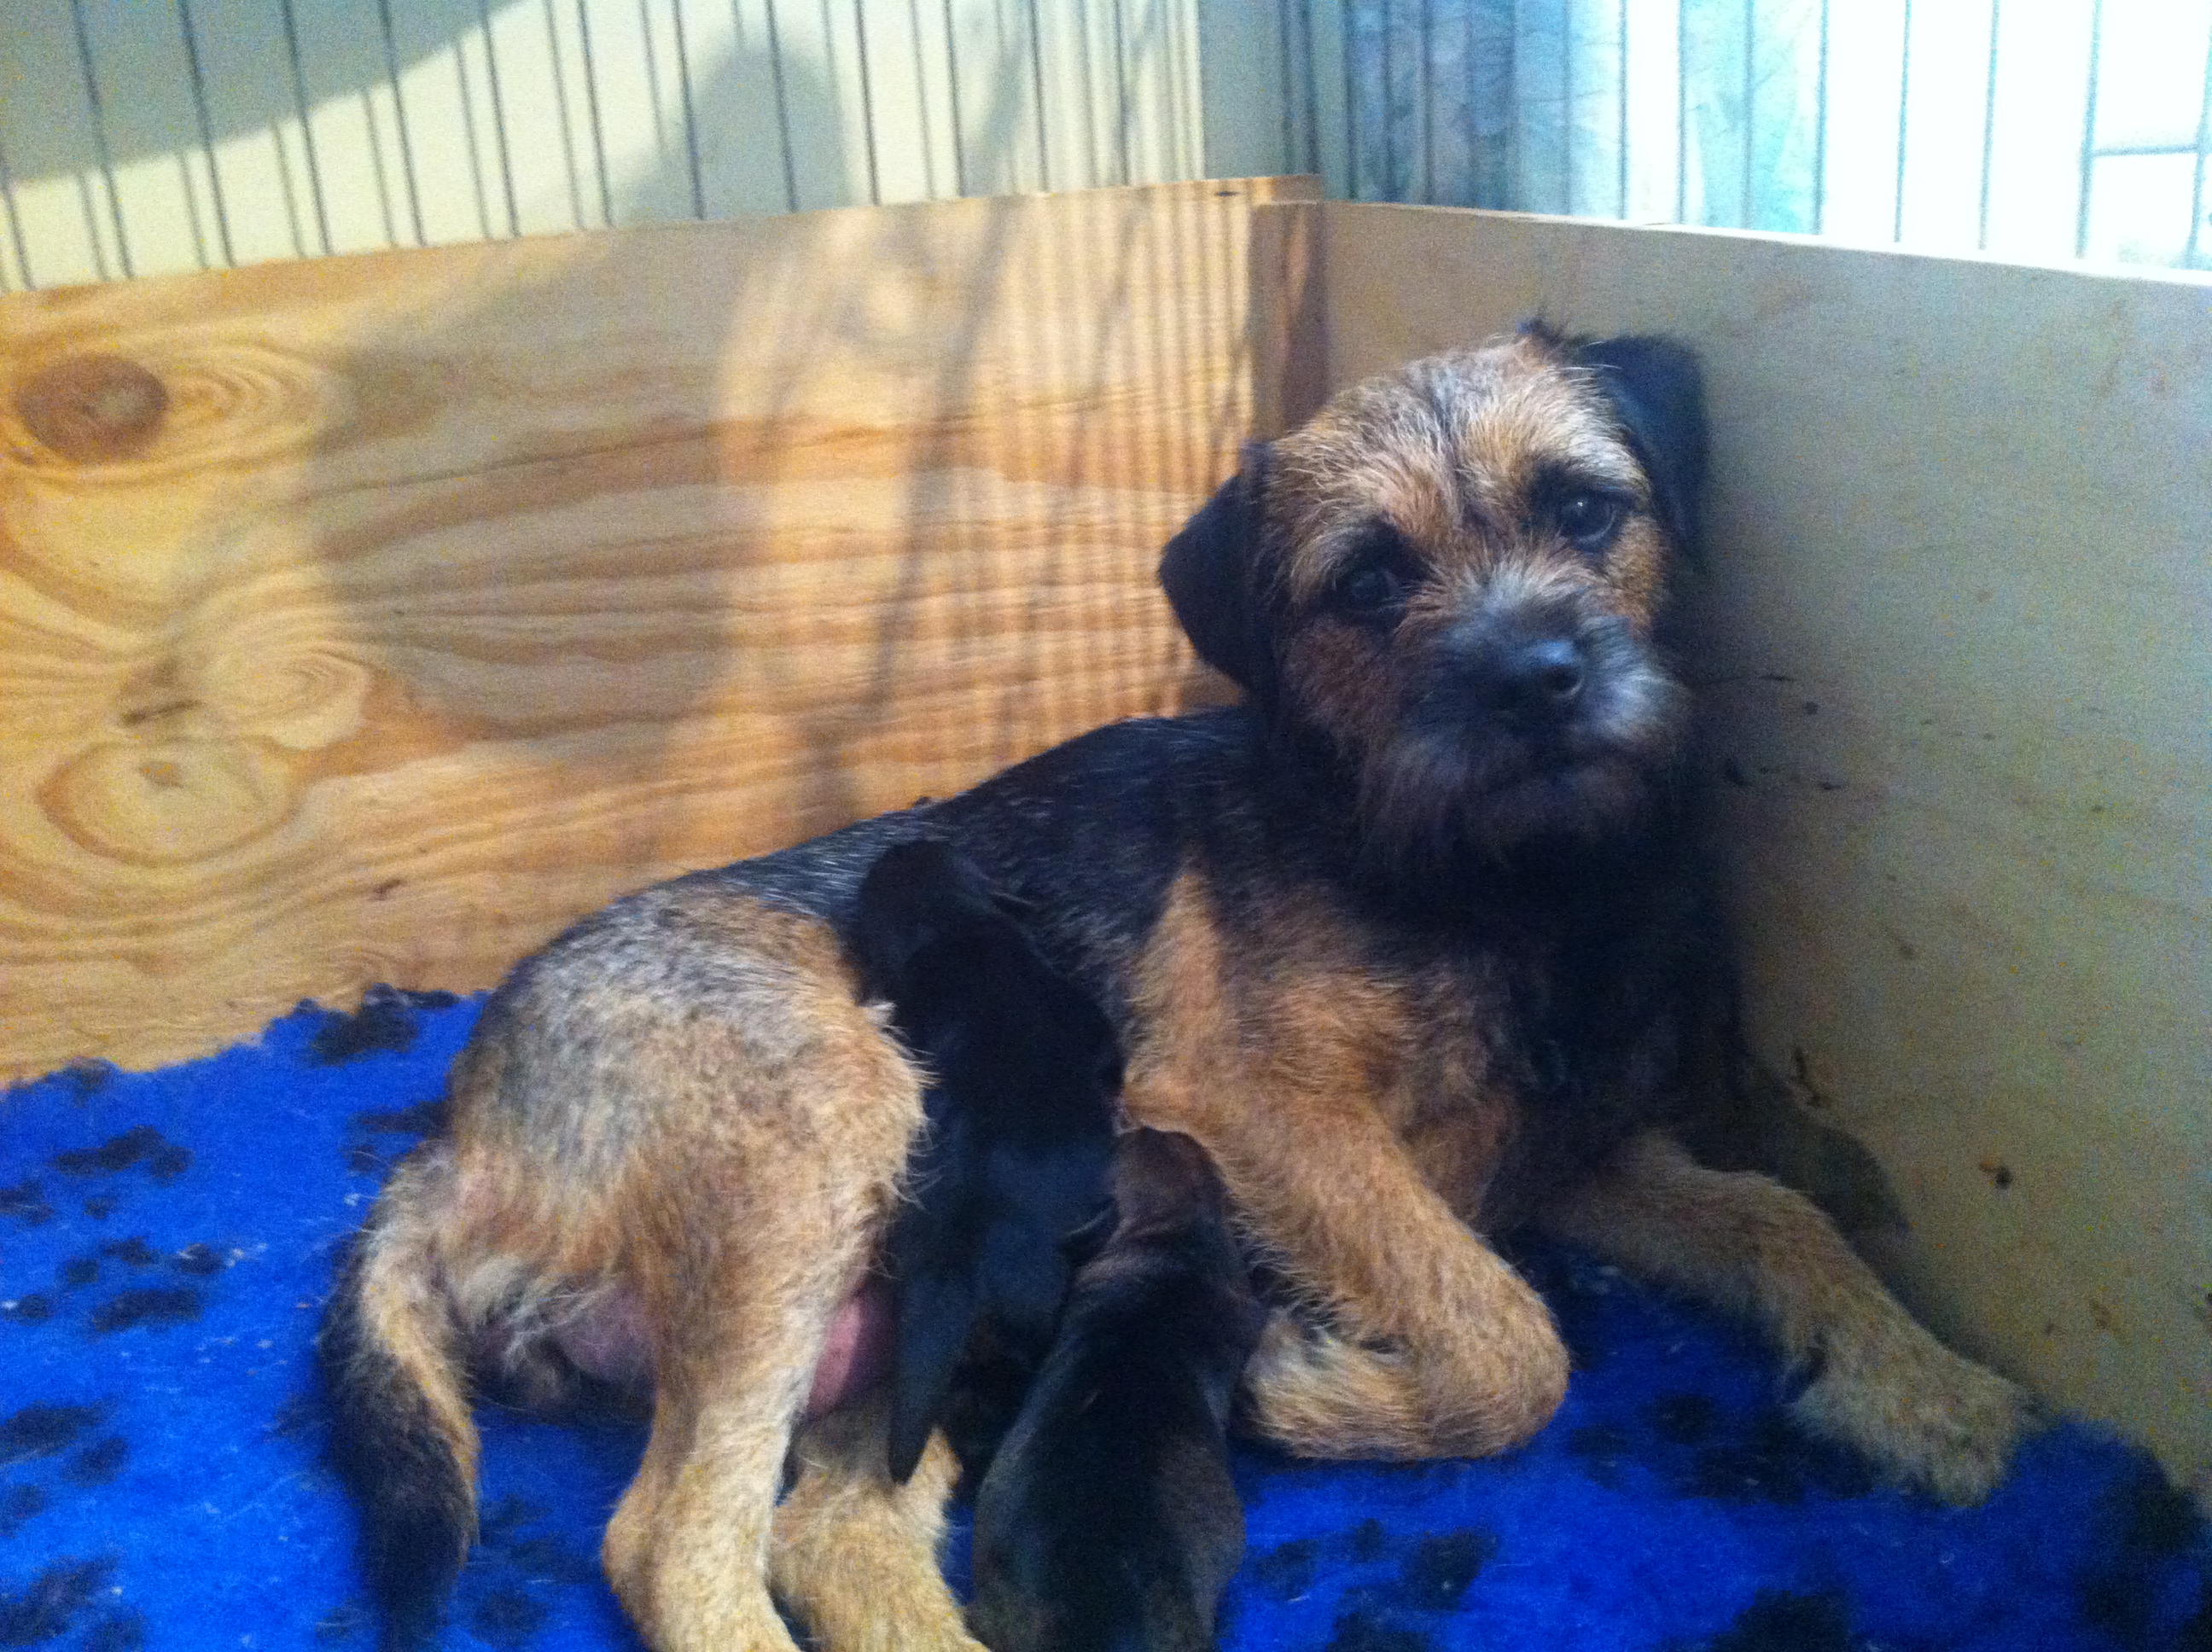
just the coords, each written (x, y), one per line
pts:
(455, 592)
(1955, 631)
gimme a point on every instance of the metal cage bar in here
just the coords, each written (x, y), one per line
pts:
(2192, 252)
(1443, 100)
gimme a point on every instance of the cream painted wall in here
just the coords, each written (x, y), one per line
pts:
(1958, 629)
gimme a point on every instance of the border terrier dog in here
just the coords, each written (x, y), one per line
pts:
(1411, 941)
(1108, 1521)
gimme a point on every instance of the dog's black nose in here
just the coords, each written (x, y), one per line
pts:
(1522, 672)
(1540, 679)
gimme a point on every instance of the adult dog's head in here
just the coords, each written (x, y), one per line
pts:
(1451, 577)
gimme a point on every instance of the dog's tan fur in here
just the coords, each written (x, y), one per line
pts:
(1753, 1246)
(683, 1101)
(596, 1147)
(1438, 1348)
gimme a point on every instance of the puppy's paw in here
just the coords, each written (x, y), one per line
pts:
(1925, 1415)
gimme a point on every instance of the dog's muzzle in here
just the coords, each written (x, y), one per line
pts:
(1531, 681)
(1550, 682)
(1533, 676)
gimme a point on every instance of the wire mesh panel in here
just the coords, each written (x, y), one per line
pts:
(2041, 128)
(143, 136)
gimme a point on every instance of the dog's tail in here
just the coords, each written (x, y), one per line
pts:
(401, 1436)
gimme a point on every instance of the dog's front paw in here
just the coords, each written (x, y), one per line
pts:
(1925, 1415)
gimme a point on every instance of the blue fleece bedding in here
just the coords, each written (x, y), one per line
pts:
(166, 1240)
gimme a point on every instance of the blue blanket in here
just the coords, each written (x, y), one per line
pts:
(166, 1240)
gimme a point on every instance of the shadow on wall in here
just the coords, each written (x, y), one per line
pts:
(574, 563)
(147, 140)
(143, 140)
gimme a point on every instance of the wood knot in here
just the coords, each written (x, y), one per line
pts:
(92, 407)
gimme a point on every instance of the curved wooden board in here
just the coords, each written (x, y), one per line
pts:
(368, 619)
(1952, 632)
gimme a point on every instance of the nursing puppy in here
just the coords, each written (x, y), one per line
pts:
(1024, 1071)
(1108, 1521)
(1107, 1518)
(1409, 942)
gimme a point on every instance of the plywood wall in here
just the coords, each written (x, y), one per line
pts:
(1955, 634)
(368, 619)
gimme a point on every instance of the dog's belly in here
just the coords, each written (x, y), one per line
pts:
(612, 1342)
(856, 1356)
(609, 1341)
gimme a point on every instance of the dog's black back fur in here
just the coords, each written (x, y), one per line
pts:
(1024, 1070)
(1107, 1521)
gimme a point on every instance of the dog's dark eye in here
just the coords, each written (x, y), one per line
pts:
(1373, 589)
(1589, 521)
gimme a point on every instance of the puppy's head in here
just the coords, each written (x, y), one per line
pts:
(1162, 1179)
(918, 895)
(1453, 576)
(972, 991)
(1024, 1071)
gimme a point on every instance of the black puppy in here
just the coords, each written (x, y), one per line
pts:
(1022, 1073)
(1108, 1520)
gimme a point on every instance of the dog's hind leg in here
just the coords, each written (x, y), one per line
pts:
(750, 1224)
(744, 1300)
(687, 1549)
(1881, 1382)
(856, 1553)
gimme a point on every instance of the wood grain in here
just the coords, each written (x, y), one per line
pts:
(368, 619)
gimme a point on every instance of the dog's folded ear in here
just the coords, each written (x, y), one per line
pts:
(939, 1304)
(1208, 573)
(1658, 393)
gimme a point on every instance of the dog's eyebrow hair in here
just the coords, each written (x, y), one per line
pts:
(1482, 508)
(1332, 553)
(1471, 500)
(1557, 476)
